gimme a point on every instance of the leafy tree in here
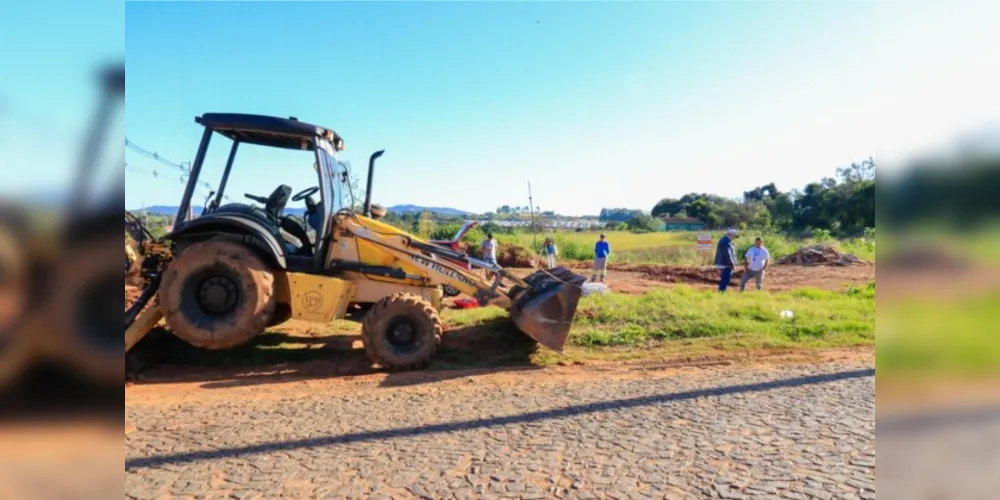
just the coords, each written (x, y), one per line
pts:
(667, 207)
(642, 222)
(844, 204)
(858, 172)
(426, 225)
(618, 214)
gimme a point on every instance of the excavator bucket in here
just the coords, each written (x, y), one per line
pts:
(545, 311)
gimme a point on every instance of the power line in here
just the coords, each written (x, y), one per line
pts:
(183, 168)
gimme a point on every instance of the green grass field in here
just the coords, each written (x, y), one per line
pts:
(675, 248)
(922, 338)
(616, 326)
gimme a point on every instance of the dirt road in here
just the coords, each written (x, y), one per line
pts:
(799, 430)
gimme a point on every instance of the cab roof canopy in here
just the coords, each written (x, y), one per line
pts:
(271, 131)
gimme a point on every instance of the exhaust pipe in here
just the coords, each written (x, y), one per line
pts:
(368, 188)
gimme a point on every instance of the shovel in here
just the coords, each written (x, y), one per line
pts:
(545, 311)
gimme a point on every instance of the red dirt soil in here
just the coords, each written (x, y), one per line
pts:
(636, 279)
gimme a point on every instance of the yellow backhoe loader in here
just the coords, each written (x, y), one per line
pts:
(56, 276)
(239, 268)
(145, 256)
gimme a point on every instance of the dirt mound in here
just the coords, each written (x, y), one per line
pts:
(664, 273)
(819, 255)
(508, 255)
(673, 274)
(511, 255)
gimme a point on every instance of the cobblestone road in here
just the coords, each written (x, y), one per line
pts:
(793, 432)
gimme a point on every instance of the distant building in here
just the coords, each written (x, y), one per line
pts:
(681, 224)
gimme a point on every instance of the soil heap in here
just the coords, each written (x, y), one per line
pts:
(819, 255)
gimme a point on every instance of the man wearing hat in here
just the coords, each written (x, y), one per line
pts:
(725, 258)
(601, 252)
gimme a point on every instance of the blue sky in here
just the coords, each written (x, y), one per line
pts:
(49, 89)
(596, 104)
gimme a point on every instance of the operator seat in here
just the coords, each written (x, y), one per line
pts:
(275, 207)
(278, 200)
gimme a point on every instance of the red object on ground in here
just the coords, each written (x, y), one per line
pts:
(466, 303)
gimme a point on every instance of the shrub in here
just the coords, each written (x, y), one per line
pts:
(821, 235)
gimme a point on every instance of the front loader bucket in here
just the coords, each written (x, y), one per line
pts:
(545, 312)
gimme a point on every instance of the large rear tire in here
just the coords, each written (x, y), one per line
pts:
(401, 331)
(83, 311)
(217, 295)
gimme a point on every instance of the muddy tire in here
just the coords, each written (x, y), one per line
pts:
(401, 331)
(84, 312)
(217, 295)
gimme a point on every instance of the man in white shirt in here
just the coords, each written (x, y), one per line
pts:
(755, 262)
(489, 249)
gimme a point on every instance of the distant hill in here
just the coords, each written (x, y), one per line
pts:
(400, 209)
(162, 210)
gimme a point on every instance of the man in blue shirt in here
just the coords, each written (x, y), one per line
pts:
(601, 252)
(725, 258)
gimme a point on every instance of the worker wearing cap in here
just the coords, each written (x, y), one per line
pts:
(601, 252)
(725, 258)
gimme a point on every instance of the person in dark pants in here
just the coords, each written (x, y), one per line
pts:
(725, 258)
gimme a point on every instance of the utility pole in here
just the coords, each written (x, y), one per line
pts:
(531, 209)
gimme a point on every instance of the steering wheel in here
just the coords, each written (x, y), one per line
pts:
(305, 193)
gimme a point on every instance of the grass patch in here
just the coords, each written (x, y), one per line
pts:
(616, 326)
(472, 317)
(677, 248)
(930, 338)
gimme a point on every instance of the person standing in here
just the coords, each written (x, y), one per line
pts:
(755, 262)
(725, 258)
(551, 251)
(601, 252)
(489, 248)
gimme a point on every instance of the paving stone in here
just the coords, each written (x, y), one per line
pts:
(814, 439)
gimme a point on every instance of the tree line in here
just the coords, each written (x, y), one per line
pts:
(842, 205)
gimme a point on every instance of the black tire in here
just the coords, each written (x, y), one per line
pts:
(450, 291)
(18, 342)
(401, 331)
(84, 312)
(217, 295)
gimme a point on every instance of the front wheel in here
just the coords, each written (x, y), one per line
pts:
(401, 331)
